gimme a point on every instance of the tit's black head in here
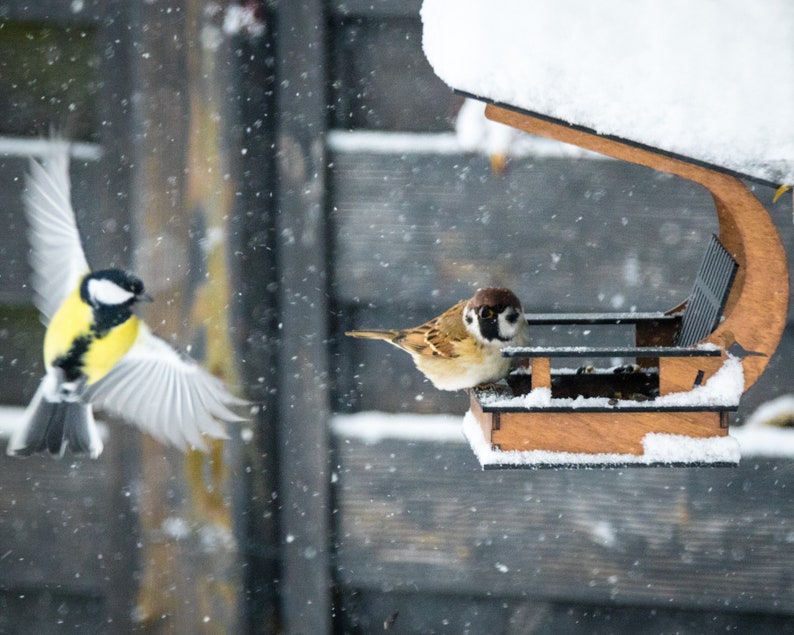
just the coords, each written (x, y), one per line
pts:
(112, 288)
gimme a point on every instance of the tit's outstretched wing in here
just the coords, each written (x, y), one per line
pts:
(56, 253)
(167, 395)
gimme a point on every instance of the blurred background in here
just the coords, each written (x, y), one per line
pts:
(278, 173)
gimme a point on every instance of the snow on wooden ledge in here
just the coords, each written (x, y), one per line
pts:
(706, 80)
(658, 450)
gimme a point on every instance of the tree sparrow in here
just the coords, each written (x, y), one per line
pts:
(461, 348)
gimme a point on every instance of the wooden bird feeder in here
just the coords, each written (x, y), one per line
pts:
(731, 323)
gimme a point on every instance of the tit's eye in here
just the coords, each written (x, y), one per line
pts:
(469, 319)
(486, 313)
(512, 317)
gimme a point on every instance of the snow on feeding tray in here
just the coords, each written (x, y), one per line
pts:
(685, 89)
(650, 448)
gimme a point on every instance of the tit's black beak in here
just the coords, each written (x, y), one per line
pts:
(144, 297)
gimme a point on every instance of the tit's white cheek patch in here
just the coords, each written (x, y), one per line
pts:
(107, 292)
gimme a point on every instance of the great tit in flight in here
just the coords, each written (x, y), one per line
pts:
(97, 353)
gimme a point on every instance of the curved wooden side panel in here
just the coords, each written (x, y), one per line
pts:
(755, 315)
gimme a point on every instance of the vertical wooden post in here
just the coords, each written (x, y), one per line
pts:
(303, 389)
(253, 240)
(190, 578)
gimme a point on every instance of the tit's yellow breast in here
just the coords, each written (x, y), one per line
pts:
(72, 323)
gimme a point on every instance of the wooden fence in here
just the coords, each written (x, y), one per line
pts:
(288, 137)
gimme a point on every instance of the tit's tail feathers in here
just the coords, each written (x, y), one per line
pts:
(52, 426)
(388, 335)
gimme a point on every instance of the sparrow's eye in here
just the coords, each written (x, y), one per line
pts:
(512, 317)
(486, 313)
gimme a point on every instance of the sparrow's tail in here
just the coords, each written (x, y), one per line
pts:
(376, 334)
(52, 425)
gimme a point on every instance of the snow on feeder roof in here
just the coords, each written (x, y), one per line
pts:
(706, 80)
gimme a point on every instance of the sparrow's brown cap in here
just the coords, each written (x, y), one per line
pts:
(494, 297)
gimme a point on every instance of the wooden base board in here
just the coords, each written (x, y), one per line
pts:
(611, 432)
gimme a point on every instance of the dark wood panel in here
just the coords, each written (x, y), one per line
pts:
(103, 229)
(303, 379)
(382, 80)
(56, 528)
(48, 78)
(55, 11)
(50, 612)
(21, 346)
(564, 234)
(365, 611)
(423, 517)
(376, 8)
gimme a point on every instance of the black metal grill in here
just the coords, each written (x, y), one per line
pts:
(709, 294)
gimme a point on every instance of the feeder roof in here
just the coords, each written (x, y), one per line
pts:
(709, 80)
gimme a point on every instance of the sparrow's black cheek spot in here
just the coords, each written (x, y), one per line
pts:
(512, 318)
(469, 319)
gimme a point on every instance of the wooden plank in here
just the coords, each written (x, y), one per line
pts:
(406, 612)
(304, 380)
(598, 432)
(55, 523)
(182, 199)
(681, 375)
(376, 57)
(377, 9)
(591, 431)
(38, 54)
(423, 517)
(54, 11)
(417, 228)
(92, 216)
(541, 373)
(255, 277)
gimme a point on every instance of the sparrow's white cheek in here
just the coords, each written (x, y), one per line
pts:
(472, 324)
(508, 329)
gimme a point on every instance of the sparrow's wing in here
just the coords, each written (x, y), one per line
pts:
(437, 337)
(56, 253)
(170, 397)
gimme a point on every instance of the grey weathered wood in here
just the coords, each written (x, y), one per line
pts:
(376, 9)
(424, 518)
(55, 525)
(407, 612)
(55, 11)
(377, 58)
(179, 198)
(101, 223)
(71, 554)
(304, 381)
(564, 235)
(255, 276)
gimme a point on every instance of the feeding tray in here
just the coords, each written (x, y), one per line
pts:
(689, 365)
